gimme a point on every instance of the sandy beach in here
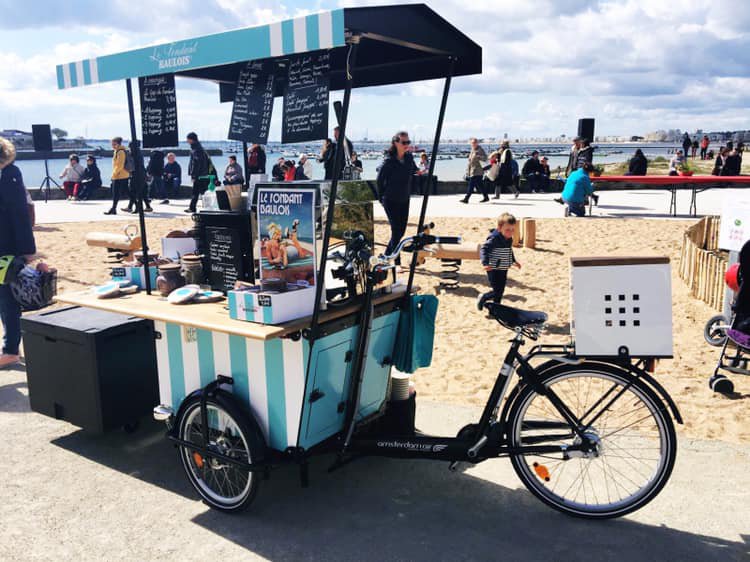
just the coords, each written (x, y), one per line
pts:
(469, 347)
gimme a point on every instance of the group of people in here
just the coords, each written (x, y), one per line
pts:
(691, 146)
(80, 183)
(499, 171)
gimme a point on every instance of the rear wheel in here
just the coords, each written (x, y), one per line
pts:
(631, 443)
(715, 332)
(222, 485)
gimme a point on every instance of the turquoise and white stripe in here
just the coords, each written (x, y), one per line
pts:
(269, 375)
(307, 33)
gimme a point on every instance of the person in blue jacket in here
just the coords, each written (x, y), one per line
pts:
(577, 188)
(16, 239)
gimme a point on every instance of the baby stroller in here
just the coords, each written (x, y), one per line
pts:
(734, 342)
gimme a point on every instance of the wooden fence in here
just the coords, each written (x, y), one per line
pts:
(702, 264)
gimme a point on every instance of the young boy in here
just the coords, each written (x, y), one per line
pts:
(496, 255)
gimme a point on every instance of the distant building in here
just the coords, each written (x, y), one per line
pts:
(21, 139)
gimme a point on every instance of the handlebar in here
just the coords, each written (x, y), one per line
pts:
(416, 243)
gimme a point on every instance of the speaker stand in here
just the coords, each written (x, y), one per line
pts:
(47, 182)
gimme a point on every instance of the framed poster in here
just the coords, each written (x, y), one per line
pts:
(286, 231)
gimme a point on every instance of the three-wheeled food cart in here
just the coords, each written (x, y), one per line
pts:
(242, 397)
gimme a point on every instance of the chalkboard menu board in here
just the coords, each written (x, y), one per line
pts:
(158, 110)
(253, 104)
(224, 257)
(306, 99)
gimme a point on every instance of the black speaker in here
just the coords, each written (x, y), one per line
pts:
(586, 129)
(42, 138)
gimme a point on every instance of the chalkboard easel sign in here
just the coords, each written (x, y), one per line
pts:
(306, 99)
(224, 257)
(253, 104)
(158, 110)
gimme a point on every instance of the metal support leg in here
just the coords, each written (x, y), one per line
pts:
(693, 202)
(673, 201)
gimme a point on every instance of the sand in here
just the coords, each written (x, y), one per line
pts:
(468, 347)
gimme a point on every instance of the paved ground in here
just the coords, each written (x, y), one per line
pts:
(65, 495)
(643, 203)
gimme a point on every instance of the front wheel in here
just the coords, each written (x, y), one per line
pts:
(222, 485)
(629, 437)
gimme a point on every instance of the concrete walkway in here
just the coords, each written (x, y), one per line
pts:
(66, 495)
(641, 203)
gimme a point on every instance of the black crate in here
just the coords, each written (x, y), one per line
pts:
(92, 368)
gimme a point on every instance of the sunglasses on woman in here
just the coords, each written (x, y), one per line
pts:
(406, 142)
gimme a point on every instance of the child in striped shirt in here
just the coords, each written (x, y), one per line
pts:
(496, 255)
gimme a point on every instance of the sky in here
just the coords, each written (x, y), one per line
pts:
(636, 66)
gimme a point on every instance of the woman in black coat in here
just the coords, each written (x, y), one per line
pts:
(638, 164)
(394, 186)
(17, 240)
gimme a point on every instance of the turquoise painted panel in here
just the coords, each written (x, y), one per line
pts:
(60, 77)
(337, 21)
(176, 367)
(312, 31)
(375, 381)
(238, 361)
(274, 353)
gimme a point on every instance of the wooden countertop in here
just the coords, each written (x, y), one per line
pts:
(208, 316)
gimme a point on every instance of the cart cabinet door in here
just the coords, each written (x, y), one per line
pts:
(378, 364)
(325, 397)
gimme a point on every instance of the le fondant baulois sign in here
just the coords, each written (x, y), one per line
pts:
(300, 35)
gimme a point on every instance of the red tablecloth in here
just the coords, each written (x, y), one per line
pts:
(671, 180)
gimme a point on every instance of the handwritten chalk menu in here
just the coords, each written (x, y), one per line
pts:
(224, 257)
(253, 104)
(158, 110)
(306, 99)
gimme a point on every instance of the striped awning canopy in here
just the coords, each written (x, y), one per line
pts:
(397, 44)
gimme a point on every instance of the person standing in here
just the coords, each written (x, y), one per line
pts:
(71, 176)
(475, 171)
(197, 168)
(155, 171)
(256, 160)
(326, 156)
(687, 143)
(505, 173)
(694, 148)
(585, 153)
(172, 177)
(544, 177)
(394, 186)
(348, 149)
(120, 175)
(91, 180)
(720, 161)
(704, 147)
(17, 240)
(573, 158)
(496, 256)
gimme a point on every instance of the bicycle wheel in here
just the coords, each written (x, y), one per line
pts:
(632, 436)
(222, 485)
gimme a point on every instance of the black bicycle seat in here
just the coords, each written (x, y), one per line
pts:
(515, 317)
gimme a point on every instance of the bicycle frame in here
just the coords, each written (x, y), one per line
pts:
(488, 439)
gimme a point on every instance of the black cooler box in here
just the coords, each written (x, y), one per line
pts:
(92, 368)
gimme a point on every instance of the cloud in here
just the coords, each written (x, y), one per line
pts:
(635, 65)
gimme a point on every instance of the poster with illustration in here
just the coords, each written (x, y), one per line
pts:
(286, 230)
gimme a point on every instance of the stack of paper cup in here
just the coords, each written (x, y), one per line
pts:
(399, 386)
(234, 193)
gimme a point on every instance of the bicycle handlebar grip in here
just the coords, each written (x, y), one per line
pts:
(447, 239)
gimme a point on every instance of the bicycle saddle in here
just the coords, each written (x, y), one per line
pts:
(515, 317)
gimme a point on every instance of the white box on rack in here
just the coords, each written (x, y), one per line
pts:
(175, 248)
(271, 308)
(621, 306)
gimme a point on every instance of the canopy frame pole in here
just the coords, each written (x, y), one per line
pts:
(337, 165)
(137, 183)
(244, 165)
(430, 173)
